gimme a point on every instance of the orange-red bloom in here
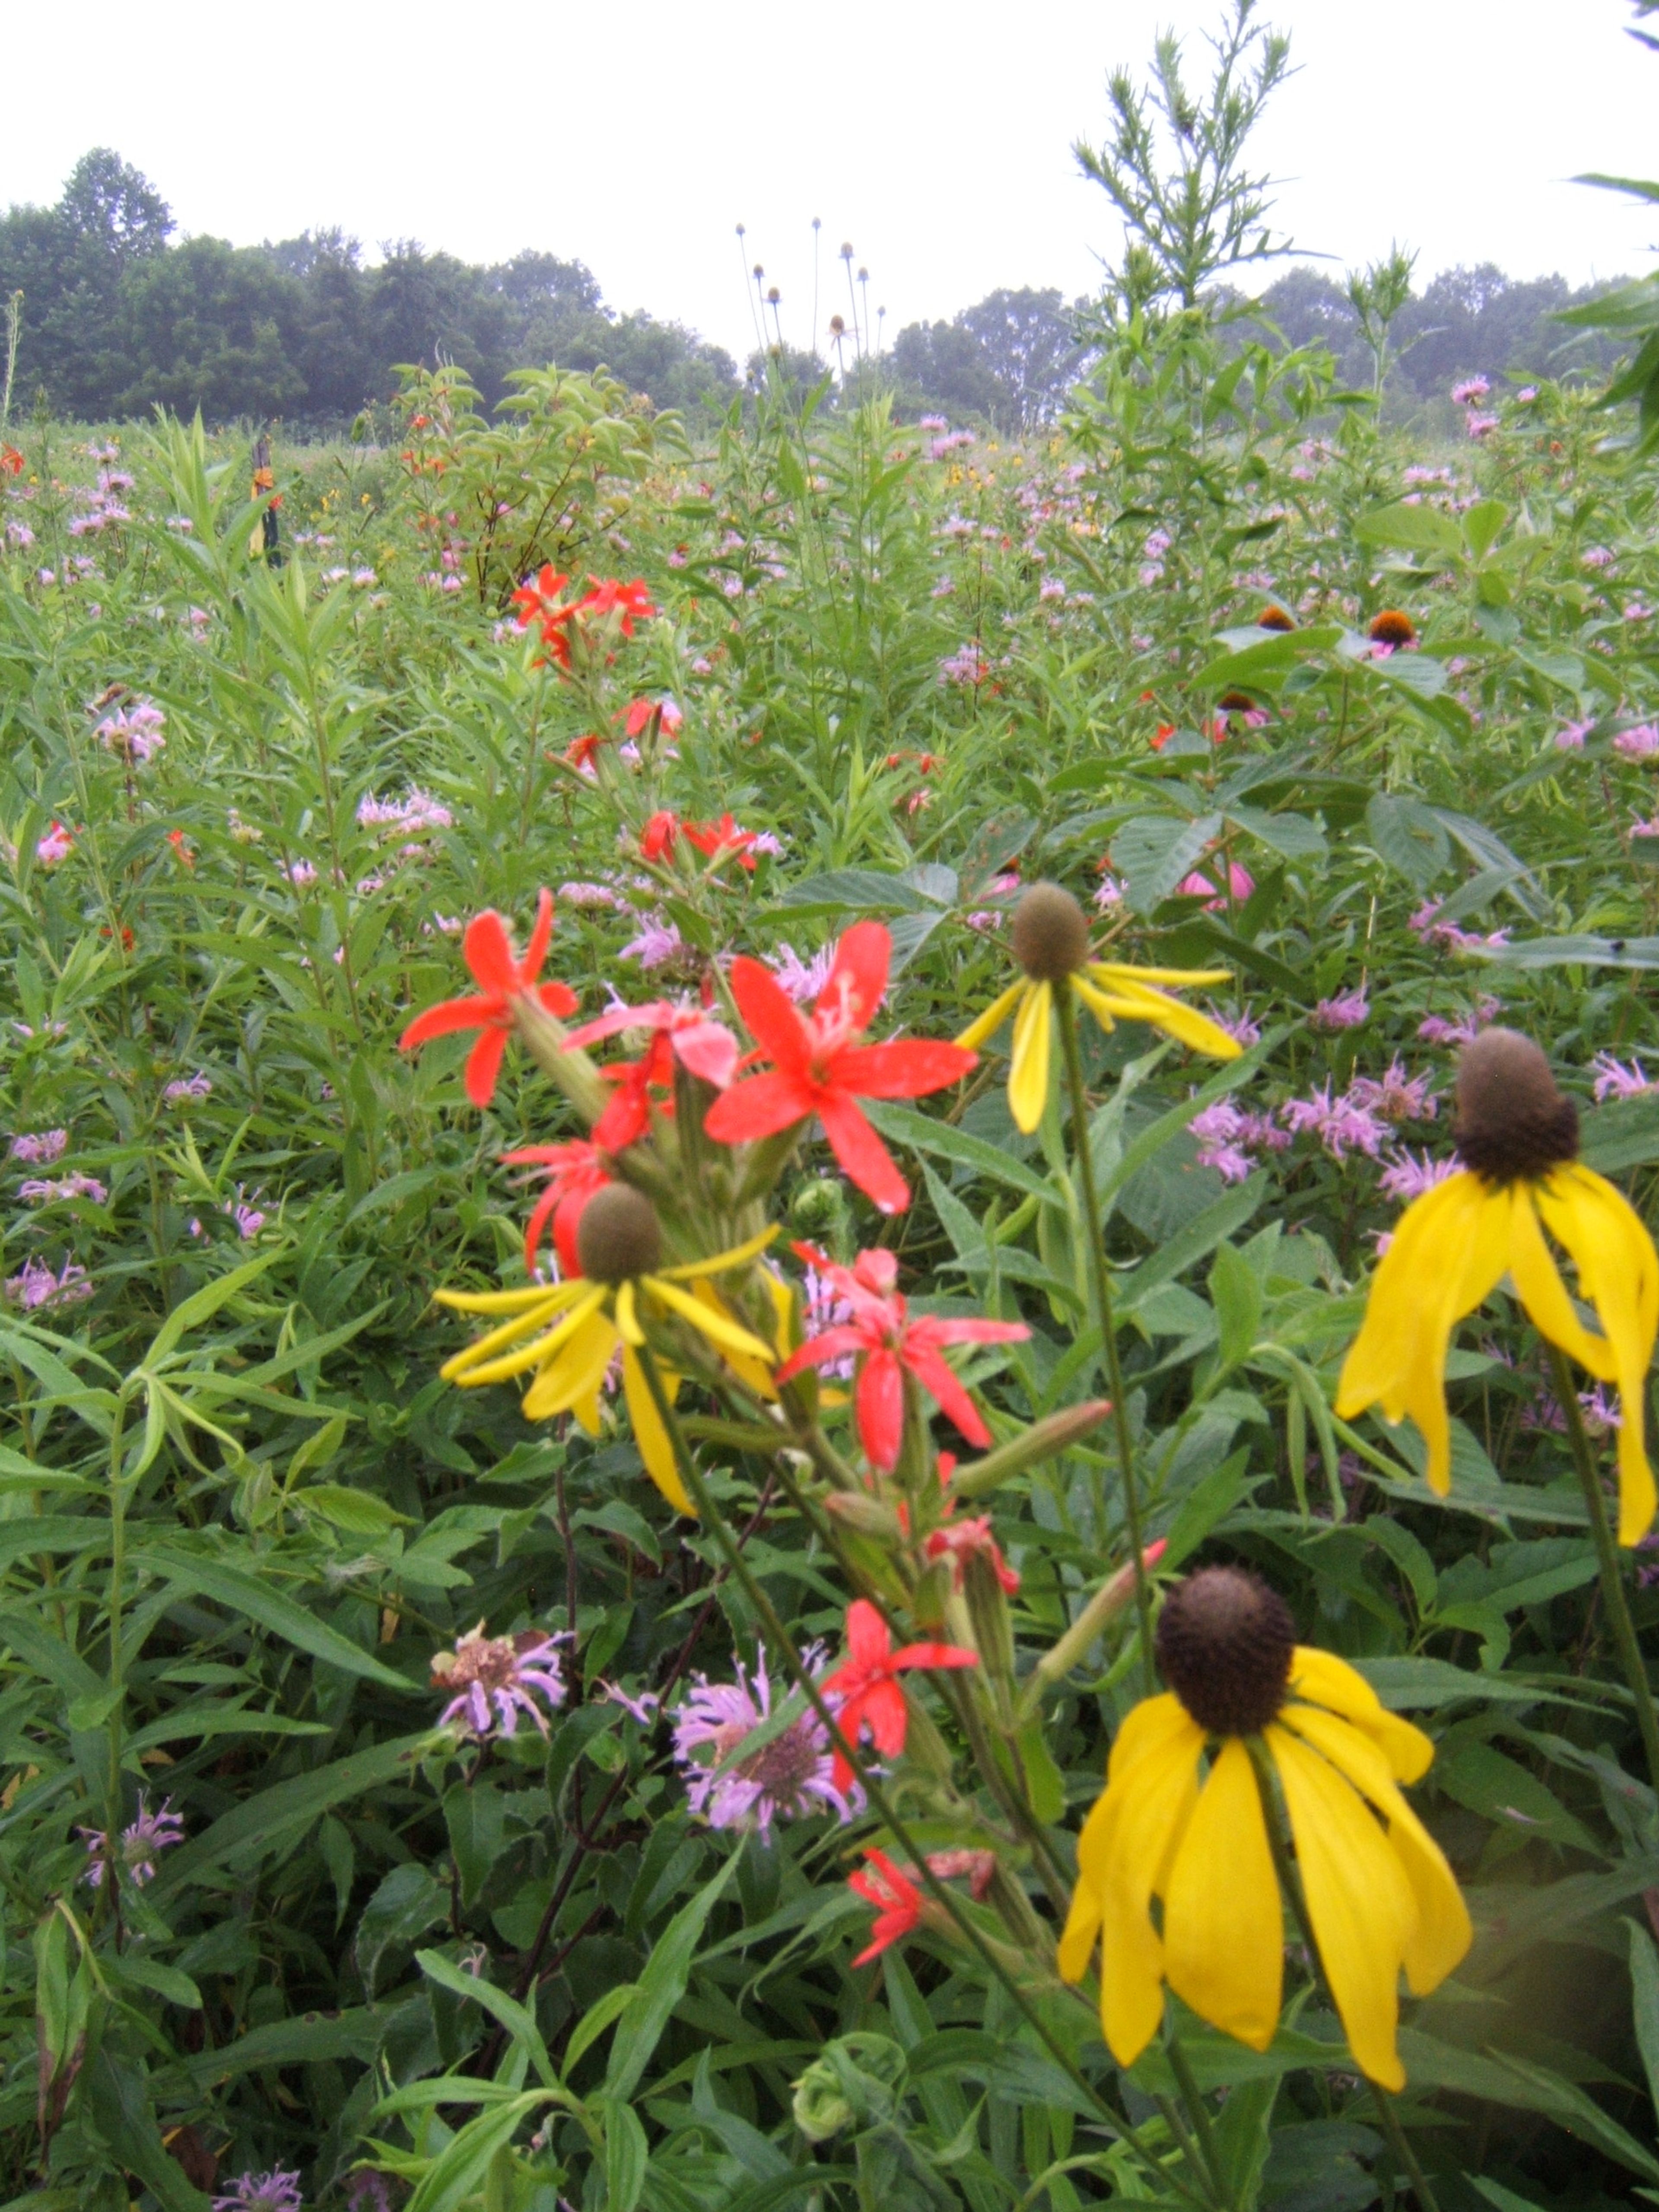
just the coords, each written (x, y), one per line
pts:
(965, 1540)
(719, 838)
(867, 1686)
(895, 1897)
(704, 1047)
(11, 460)
(502, 979)
(817, 1068)
(574, 1171)
(659, 834)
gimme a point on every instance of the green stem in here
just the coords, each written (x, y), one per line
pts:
(1193, 2097)
(1066, 1008)
(784, 1645)
(1290, 1889)
(1607, 1555)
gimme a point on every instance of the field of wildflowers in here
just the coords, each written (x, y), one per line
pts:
(827, 1313)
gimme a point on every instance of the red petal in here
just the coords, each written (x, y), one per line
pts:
(930, 1370)
(906, 1067)
(881, 1410)
(832, 1344)
(625, 1119)
(759, 1108)
(934, 1331)
(617, 1018)
(489, 953)
(862, 1155)
(550, 1199)
(774, 1024)
(535, 952)
(558, 998)
(709, 1049)
(888, 1718)
(444, 1019)
(932, 1655)
(868, 1638)
(858, 978)
(483, 1064)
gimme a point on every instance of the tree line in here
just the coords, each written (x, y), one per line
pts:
(116, 318)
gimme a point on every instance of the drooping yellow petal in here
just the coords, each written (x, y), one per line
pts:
(553, 1295)
(1117, 975)
(1136, 1002)
(719, 1262)
(1224, 1932)
(1359, 1900)
(1325, 1680)
(992, 1019)
(1027, 1071)
(649, 1434)
(1449, 1248)
(1154, 1801)
(1544, 1294)
(531, 1309)
(1080, 1934)
(573, 1375)
(1618, 1275)
(713, 1324)
(627, 1321)
(756, 1373)
(470, 1368)
(1441, 1931)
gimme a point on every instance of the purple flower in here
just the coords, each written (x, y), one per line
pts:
(1471, 389)
(191, 1087)
(75, 1185)
(1639, 742)
(1395, 1095)
(1227, 1137)
(584, 894)
(1434, 1029)
(37, 1287)
(803, 979)
(789, 1775)
(1570, 738)
(1408, 1175)
(1110, 894)
(643, 1709)
(1481, 426)
(56, 845)
(932, 423)
(416, 810)
(1613, 1080)
(301, 873)
(1340, 1125)
(276, 2191)
(497, 1678)
(1349, 1011)
(150, 1834)
(1598, 556)
(41, 1148)
(970, 666)
(658, 943)
(1241, 1029)
(1640, 829)
(824, 1308)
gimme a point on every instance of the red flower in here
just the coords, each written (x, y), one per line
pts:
(181, 851)
(818, 1069)
(579, 754)
(718, 838)
(1165, 731)
(642, 711)
(895, 1897)
(657, 837)
(628, 602)
(574, 1172)
(11, 460)
(489, 953)
(887, 1343)
(868, 1686)
(706, 1047)
(964, 1540)
(540, 603)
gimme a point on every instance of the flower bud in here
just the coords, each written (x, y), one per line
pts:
(1056, 1432)
(618, 1237)
(1050, 933)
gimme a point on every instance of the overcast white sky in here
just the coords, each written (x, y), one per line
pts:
(935, 137)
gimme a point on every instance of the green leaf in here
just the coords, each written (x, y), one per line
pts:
(595, 2020)
(357, 1512)
(1501, 1789)
(660, 1988)
(118, 2094)
(260, 1600)
(1420, 529)
(1154, 852)
(1291, 834)
(308, 2037)
(1410, 836)
(925, 1132)
(513, 2016)
(626, 2156)
(1205, 1507)
(407, 1903)
(1406, 1686)
(202, 1304)
(1236, 1293)
(456, 2176)
(1644, 2003)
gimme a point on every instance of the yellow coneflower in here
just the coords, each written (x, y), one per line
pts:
(1518, 1139)
(1051, 944)
(619, 1247)
(1379, 1893)
(1392, 626)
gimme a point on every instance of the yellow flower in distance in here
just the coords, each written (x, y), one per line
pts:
(1051, 944)
(1379, 1894)
(619, 1245)
(1518, 1137)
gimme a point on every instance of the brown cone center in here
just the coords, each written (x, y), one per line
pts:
(1513, 1122)
(1050, 933)
(1224, 1642)
(618, 1237)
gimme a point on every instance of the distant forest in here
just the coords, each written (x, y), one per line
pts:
(117, 320)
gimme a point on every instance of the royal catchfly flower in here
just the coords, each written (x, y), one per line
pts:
(574, 1171)
(1051, 944)
(865, 1692)
(819, 1067)
(1379, 1893)
(569, 1331)
(493, 1679)
(487, 951)
(897, 1901)
(686, 1034)
(887, 1345)
(1517, 1137)
(788, 1775)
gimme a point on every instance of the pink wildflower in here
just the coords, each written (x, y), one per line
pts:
(1349, 1011)
(497, 1678)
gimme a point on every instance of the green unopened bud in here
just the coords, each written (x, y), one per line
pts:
(545, 1039)
(857, 1510)
(1057, 1432)
(1111, 1599)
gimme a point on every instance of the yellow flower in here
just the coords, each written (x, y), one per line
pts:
(1519, 1137)
(1051, 944)
(619, 1244)
(1379, 1893)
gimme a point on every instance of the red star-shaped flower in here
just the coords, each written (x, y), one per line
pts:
(895, 1897)
(870, 1692)
(720, 838)
(574, 1171)
(888, 1344)
(964, 1540)
(657, 837)
(817, 1068)
(502, 979)
(706, 1048)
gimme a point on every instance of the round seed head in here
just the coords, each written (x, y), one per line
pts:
(1392, 626)
(1512, 1121)
(1273, 617)
(1224, 1641)
(618, 1237)
(1051, 934)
